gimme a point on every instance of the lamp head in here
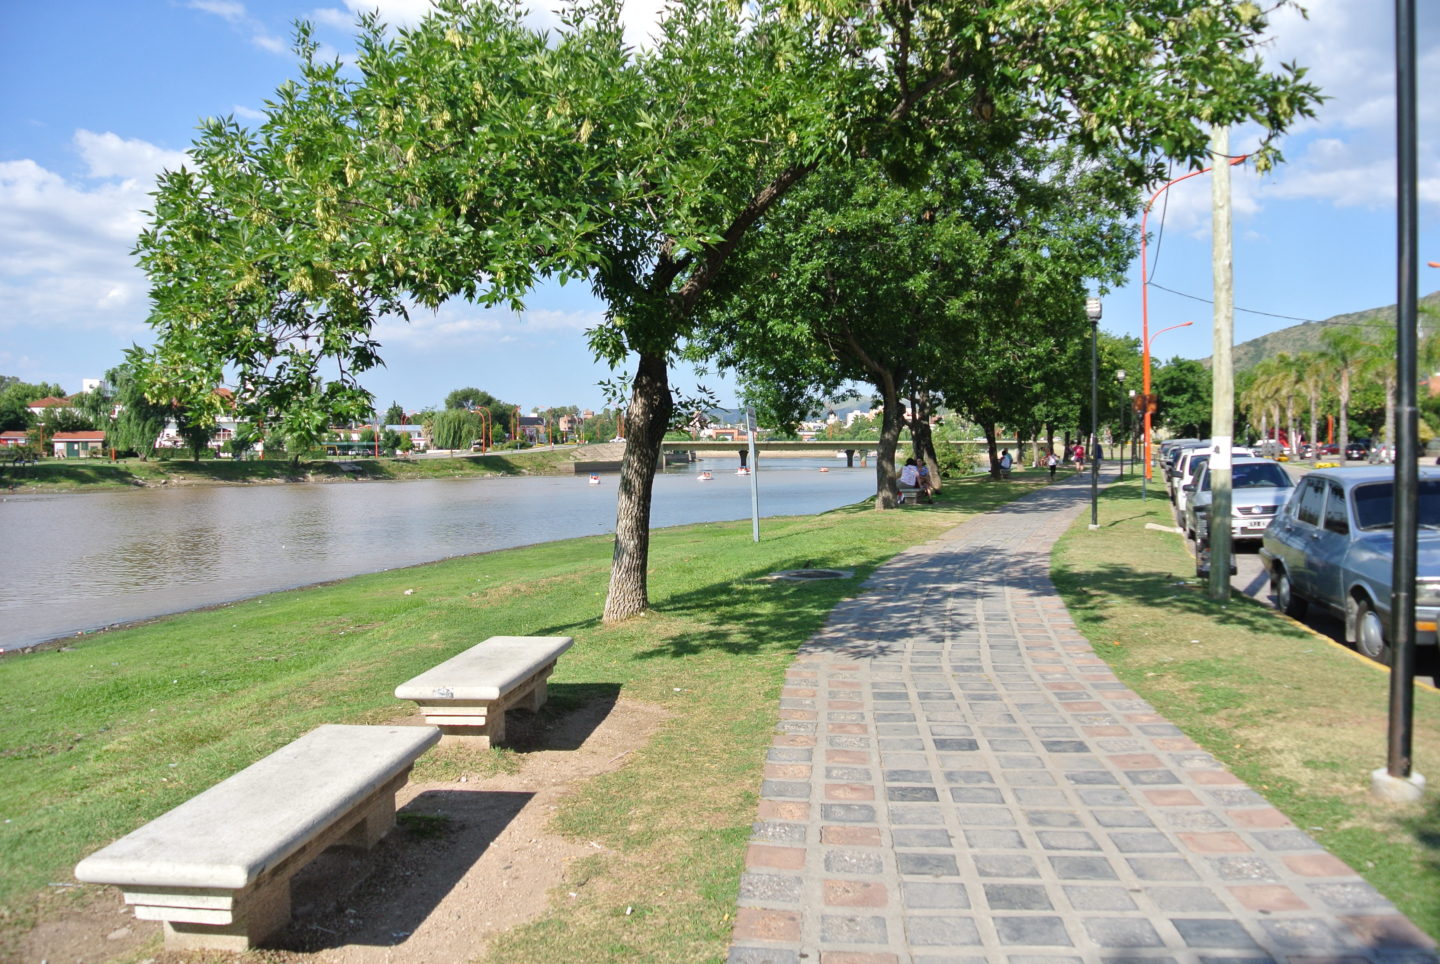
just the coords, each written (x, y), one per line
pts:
(1092, 309)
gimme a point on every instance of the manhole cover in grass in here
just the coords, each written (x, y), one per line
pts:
(808, 575)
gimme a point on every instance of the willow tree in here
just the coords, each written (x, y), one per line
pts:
(471, 157)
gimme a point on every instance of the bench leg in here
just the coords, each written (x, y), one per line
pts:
(375, 823)
(540, 692)
(257, 915)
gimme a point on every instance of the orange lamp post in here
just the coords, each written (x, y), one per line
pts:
(1145, 300)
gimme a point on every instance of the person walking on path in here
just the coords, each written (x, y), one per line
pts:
(956, 776)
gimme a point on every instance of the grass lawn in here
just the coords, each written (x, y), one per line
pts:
(1299, 718)
(100, 738)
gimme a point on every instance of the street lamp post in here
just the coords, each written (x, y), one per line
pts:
(1092, 311)
(1145, 475)
(1130, 438)
(1145, 302)
(1120, 378)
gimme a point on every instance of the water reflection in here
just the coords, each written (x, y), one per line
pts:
(78, 562)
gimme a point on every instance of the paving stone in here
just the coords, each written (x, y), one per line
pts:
(911, 794)
(1096, 897)
(979, 839)
(1032, 931)
(1017, 866)
(853, 862)
(909, 776)
(785, 789)
(920, 837)
(1127, 932)
(926, 864)
(762, 955)
(1175, 900)
(1121, 818)
(930, 931)
(955, 744)
(916, 815)
(1066, 840)
(1053, 818)
(852, 929)
(936, 895)
(977, 795)
(1203, 932)
(1140, 842)
(1083, 868)
(770, 888)
(1161, 868)
(1308, 934)
(1350, 897)
(778, 832)
(974, 816)
(789, 754)
(847, 813)
(848, 774)
(1018, 897)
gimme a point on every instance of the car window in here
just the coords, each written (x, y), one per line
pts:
(1375, 504)
(1259, 475)
(1311, 497)
(1197, 462)
(1335, 518)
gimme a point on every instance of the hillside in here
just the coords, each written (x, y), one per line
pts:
(1306, 337)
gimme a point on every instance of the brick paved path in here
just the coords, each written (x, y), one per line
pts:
(958, 777)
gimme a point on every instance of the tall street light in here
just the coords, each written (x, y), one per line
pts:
(1092, 311)
(1145, 299)
(1149, 405)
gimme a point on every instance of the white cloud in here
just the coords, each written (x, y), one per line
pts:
(224, 9)
(236, 14)
(110, 155)
(457, 323)
(65, 245)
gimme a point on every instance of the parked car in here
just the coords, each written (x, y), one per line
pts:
(1176, 463)
(1258, 487)
(1332, 546)
(1188, 468)
(1358, 449)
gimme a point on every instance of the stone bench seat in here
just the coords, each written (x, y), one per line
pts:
(216, 869)
(467, 695)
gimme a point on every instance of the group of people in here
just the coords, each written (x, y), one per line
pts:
(915, 476)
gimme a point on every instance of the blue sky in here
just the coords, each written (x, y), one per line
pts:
(101, 95)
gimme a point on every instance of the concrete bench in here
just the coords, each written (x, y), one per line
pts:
(468, 694)
(216, 869)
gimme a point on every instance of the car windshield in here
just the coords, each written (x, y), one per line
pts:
(1374, 504)
(1253, 475)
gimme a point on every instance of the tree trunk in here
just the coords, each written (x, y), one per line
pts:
(990, 443)
(1314, 425)
(1344, 413)
(922, 440)
(887, 489)
(646, 420)
(1390, 413)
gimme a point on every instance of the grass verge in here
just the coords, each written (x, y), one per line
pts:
(1299, 718)
(100, 738)
(83, 475)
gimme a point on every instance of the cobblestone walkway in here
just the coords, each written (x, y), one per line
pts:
(958, 777)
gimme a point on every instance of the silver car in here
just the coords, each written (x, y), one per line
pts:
(1332, 546)
(1258, 487)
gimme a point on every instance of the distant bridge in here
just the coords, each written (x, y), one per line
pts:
(848, 446)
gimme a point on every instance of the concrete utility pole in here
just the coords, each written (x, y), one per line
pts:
(1222, 412)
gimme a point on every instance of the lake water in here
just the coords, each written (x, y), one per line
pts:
(81, 562)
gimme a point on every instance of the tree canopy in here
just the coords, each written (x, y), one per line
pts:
(472, 156)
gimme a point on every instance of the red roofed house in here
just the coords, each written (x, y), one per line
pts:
(71, 445)
(41, 405)
(12, 439)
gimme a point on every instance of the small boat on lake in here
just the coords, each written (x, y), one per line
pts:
(705, 476)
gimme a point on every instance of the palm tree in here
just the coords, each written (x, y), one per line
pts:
(1311, 376)
(1346, 352)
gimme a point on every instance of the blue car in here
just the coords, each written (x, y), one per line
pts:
(1332, 546)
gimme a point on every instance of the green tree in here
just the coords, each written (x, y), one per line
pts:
(471, 156)
(1346, 353)
(15, 399)
(455, 428)
(195, 431)
(394, 415)
(1182, 388)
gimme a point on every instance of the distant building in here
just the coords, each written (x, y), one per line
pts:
(12, 439)
(41, 406)
(71, 445)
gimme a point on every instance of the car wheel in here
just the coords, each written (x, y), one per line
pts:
(1370, 633)
(1285, 599)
